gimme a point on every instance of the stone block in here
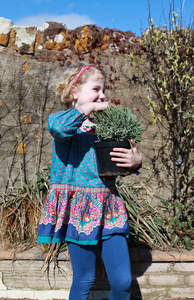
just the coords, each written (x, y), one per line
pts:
(166, 280)
(51, 294)
(3, 294)
(157, 267)
(148, 267)
(2, 286)
(181, 292)
(30, 274)
(5, 28)
(190, 281)
(55, 34)
(51, 29)
(184, 267)
(25, 38)
(157, 292)
(19, 294)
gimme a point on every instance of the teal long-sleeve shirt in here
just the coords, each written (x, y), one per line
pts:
(73, 157)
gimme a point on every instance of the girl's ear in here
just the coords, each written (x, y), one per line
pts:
(73, 93)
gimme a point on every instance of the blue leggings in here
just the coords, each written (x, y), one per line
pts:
(115, 256)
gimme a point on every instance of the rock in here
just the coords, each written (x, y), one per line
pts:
(51, 29)
(39, 44)
(119, 41)
(5, 28)
(25, 38)
(56, 36)
(87, 38)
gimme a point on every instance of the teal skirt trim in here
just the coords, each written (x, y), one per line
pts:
(45, 239)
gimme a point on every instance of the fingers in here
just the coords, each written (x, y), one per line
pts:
(123, 165)
(121, 162)
(133, 144)
(124, 151)
(121, 157)
(101, 106)
(121, 153)
(90, 107)
(129, 158)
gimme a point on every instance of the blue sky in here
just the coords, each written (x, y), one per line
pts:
(116, 14)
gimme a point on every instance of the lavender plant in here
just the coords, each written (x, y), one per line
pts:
(117, 124)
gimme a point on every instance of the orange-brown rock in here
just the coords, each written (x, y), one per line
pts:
(86, 38)
(12, 39)
(5, 28)
(25, 39)
(39, 44)
(51, 29)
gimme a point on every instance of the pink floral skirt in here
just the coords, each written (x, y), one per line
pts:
(82, 215)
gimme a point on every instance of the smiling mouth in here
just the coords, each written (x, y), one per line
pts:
(101, 100)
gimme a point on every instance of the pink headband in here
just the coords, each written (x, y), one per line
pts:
(78, 75)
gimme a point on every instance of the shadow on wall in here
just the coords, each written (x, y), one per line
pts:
(141, 259)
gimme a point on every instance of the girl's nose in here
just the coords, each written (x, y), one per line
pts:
(102, 96)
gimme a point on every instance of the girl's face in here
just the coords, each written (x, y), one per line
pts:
(91, 91)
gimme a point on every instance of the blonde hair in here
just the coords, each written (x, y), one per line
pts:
(65, 80)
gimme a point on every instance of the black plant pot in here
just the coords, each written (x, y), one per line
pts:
(107, 167)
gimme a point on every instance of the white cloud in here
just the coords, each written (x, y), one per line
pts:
(71, 21)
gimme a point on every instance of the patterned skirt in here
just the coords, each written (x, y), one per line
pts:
(82, 215)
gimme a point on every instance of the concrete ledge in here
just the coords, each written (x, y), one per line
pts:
(155, 274)
(136, 254)
(33, 294)
(48, 294)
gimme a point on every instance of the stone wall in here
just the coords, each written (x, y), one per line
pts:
(155, 275)
(32, 40)
(29, 57)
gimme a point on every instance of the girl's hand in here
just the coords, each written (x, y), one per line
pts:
(88, 108)
(127, 158)
(100, 106)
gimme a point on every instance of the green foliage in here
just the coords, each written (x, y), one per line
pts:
(170, 54)
(117, 124)
(146, 224)
(167, 65)
(21, 213)
(180, 227)
(158, 228)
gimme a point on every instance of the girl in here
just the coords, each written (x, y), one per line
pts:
(82, 208)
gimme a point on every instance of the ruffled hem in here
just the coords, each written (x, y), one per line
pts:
(85, 215)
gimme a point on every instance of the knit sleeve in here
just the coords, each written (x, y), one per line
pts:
(65, 124)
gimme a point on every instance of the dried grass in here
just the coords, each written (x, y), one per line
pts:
(21, 213)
